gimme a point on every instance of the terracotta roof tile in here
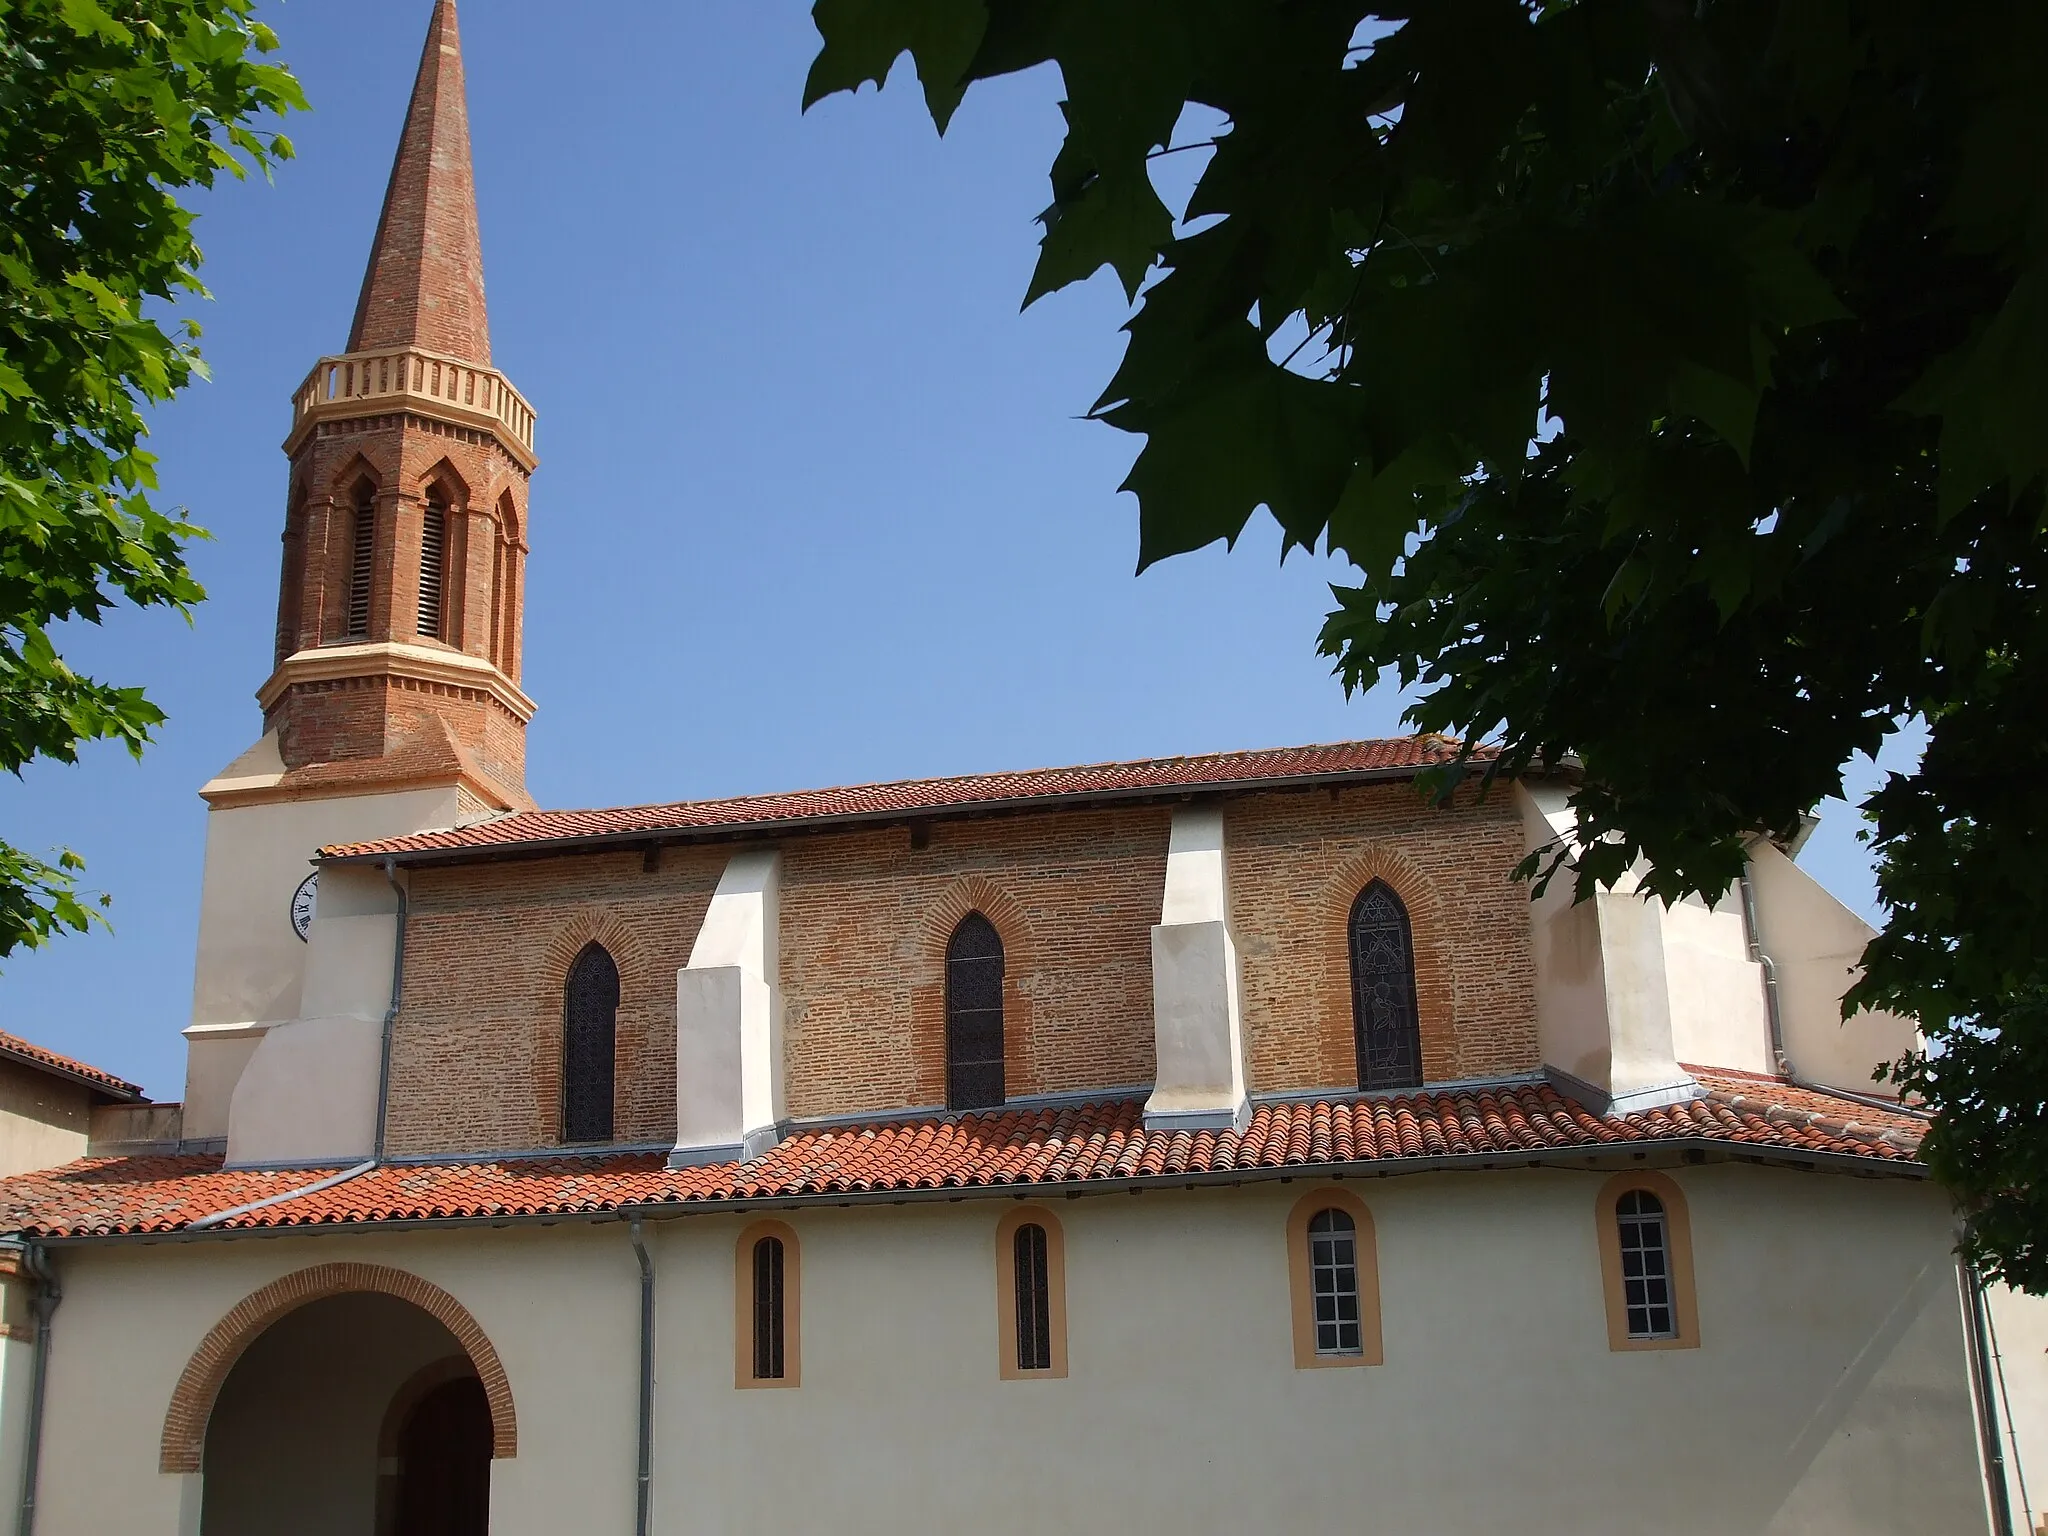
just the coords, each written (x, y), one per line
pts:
(21, 1050)
(1020, 1147)
(909, 796)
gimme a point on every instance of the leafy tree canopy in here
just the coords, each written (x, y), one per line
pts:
(107, 109)
(1676, 377)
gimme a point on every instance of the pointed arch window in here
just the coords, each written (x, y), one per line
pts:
(1384, 1020)
(434, 564)
(590, 1023)
(974, 1015)
(362, 564)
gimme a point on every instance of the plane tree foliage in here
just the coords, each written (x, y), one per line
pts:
(108, 109)
(1675, 377)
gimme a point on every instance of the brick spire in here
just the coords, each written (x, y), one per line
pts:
(425, 283)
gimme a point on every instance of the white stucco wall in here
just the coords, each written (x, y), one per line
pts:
(250, 963)
(1817, 946)
(44, 1120)
(2020, 1338)
(1829, 1396)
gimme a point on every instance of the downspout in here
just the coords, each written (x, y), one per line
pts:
(391, 1013)
(36, 1263)
(1773, 1013)
(1987, 1401)
(1776, 1019)
(643, 1495)
(376, 1156)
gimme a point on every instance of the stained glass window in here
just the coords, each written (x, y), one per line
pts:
(974, 1015)
(590, 1019)
(1389, 1036)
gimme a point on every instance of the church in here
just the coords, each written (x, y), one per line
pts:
(1204, 1144)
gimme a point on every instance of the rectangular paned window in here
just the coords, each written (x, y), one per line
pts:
(768, 1310)
(1034, 1300)
(1333, 1276)
(1645, 1266)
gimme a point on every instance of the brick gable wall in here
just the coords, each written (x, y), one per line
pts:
(865, 919)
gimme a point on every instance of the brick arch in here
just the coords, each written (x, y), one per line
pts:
(1434, 997)
(641, 998)
(184, 1437)
(356, 467)
(444, 474)
(973, 893)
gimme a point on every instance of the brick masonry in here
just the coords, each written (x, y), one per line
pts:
(1298, 862)
(865, 919)
(184, 1434)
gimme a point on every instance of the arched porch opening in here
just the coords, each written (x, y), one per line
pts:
(354, 1414)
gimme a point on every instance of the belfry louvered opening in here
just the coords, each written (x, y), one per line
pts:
(362, 559)
(433, 565)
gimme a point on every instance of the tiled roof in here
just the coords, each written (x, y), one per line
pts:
(1393, 756)
(15, 1048)
(1104, 1142)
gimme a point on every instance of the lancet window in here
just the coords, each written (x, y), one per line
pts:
(1384, 1019)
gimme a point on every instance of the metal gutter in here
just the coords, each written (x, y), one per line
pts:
(1577, 1159)
(779, 826)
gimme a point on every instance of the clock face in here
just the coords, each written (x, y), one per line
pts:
(302, 904)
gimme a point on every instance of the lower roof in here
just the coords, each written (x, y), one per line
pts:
(27, 1053)
(1011, 1151)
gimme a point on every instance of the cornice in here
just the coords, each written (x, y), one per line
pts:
(391, 658)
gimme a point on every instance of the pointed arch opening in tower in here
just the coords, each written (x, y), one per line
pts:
(433, 612)
(362, 565)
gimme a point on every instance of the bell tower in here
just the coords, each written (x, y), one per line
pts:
(398, 616)
(393, 702)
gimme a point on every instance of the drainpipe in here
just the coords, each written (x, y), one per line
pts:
(35, 1262)
(1987, 1401)
(390, 1013)
(643, 1495)
(1773, 1013)
(1776, 1019)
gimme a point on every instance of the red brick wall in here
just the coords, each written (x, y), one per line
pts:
(477, 1053)
(865, 919)
(1297, 863)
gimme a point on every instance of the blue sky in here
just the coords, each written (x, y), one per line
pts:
(815, 505)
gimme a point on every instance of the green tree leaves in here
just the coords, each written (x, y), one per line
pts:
(1771, 280)
(107, 109)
